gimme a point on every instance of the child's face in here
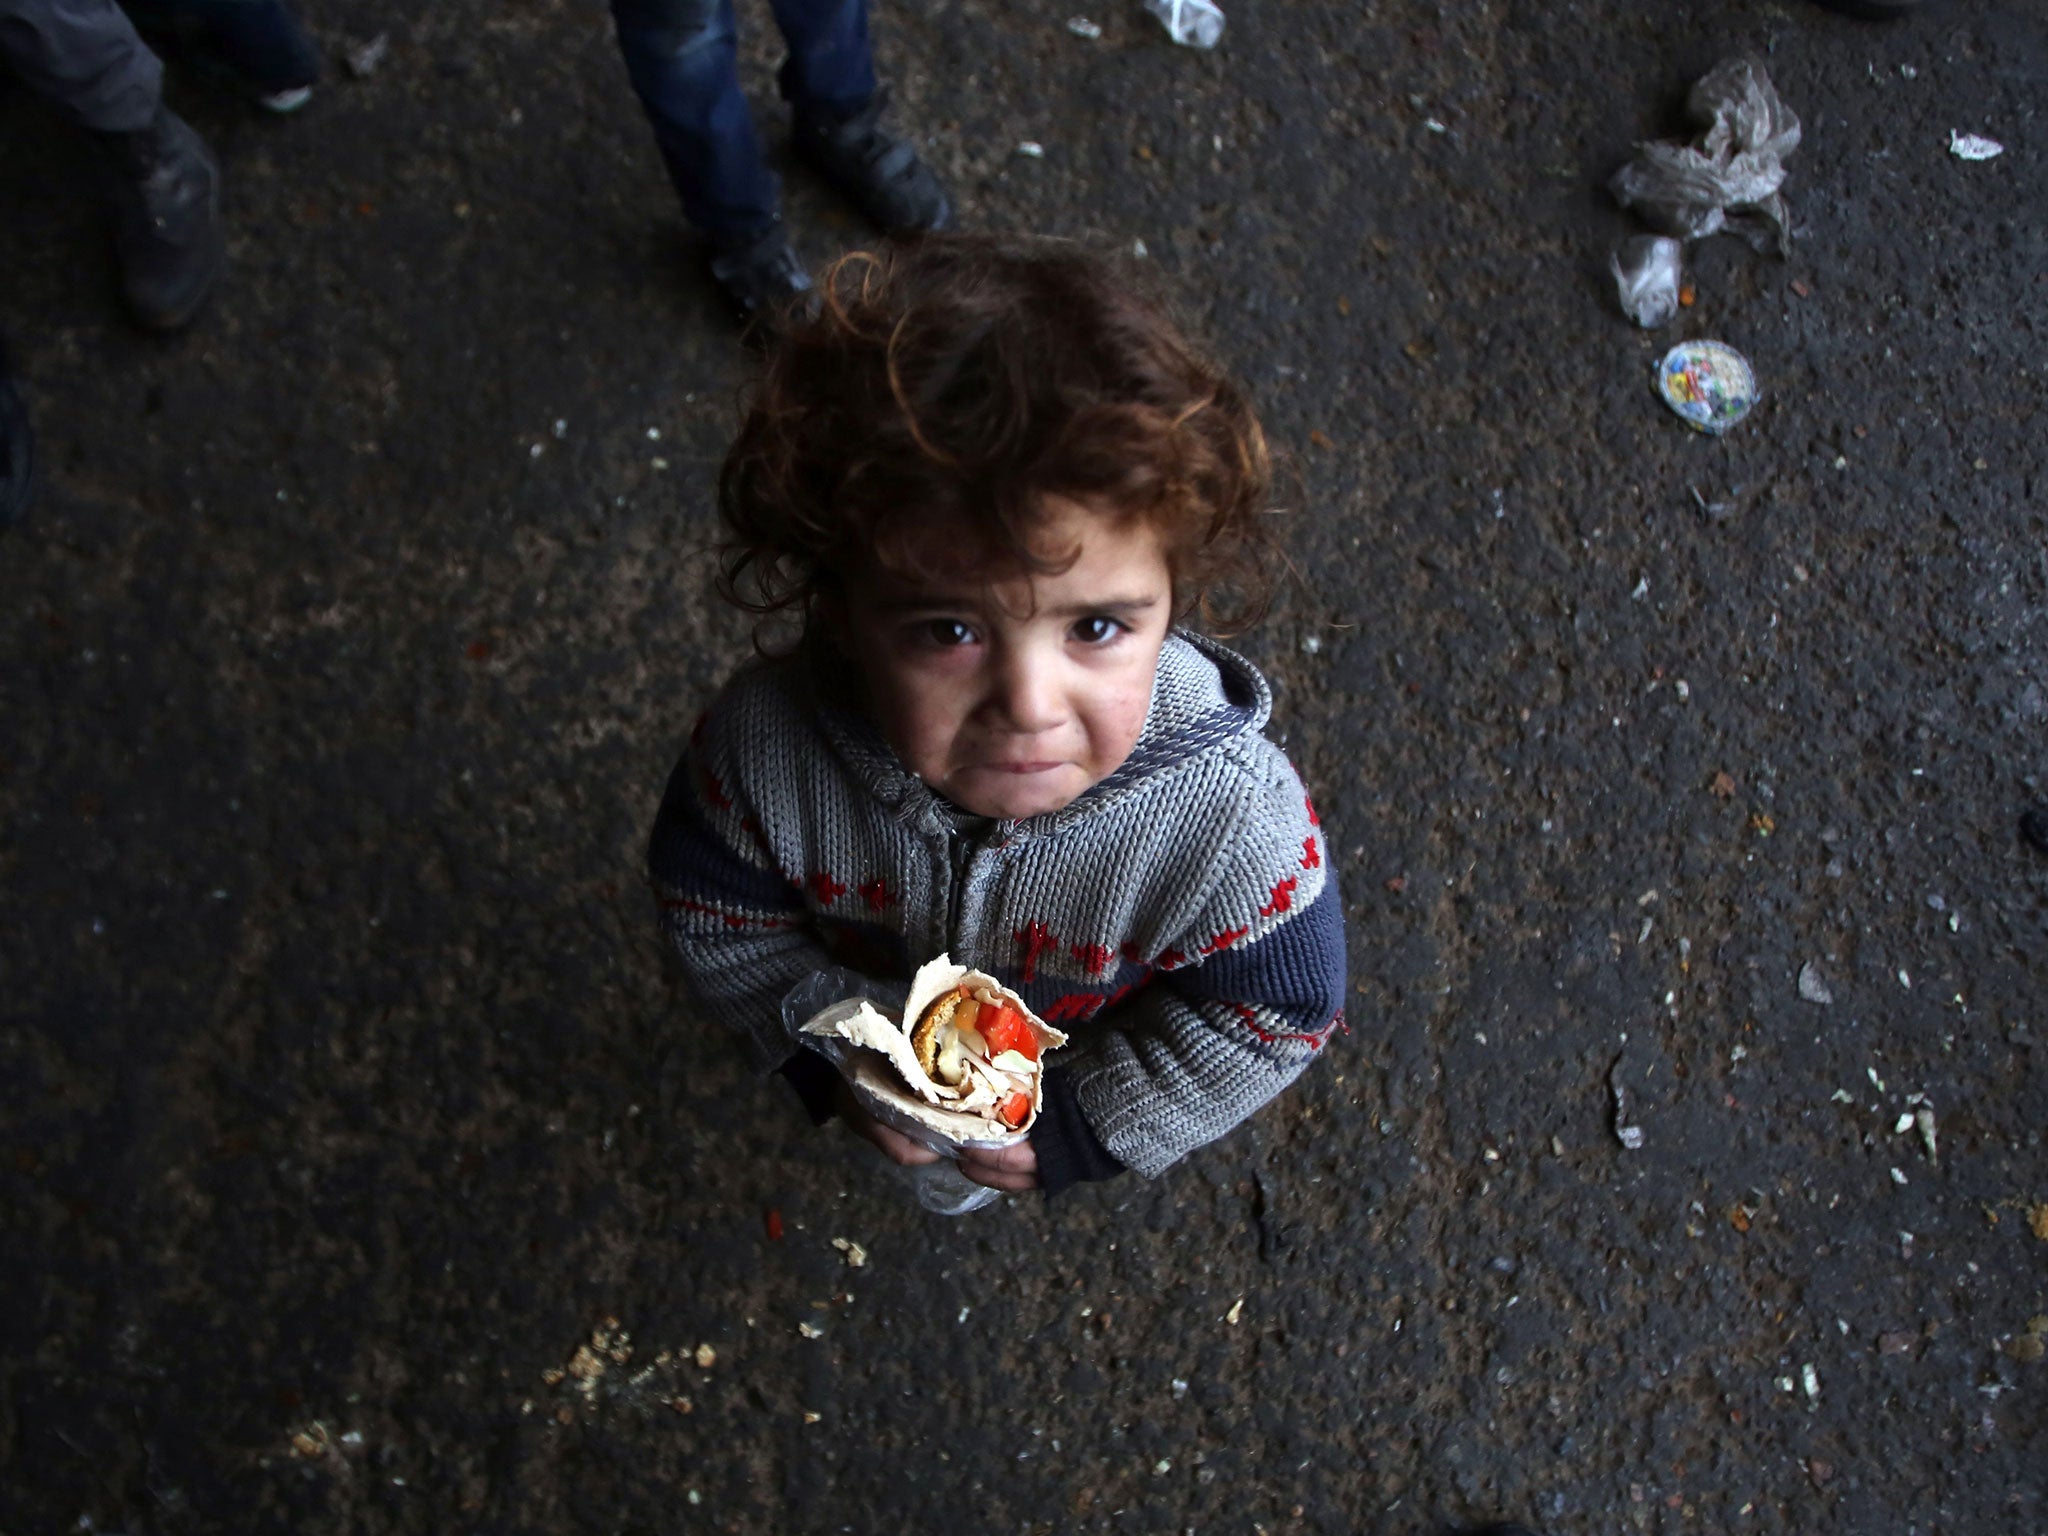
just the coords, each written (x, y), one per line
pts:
(1012, 698)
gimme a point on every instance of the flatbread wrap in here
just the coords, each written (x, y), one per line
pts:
(966, 1063)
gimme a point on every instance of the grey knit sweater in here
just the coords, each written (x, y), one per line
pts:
(1179, 919)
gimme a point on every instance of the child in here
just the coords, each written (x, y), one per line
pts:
(989, 479)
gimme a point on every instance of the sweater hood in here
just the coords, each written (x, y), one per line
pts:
(1203, 694)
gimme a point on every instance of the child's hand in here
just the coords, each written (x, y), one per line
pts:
(1013, 1168)
(895, 1146)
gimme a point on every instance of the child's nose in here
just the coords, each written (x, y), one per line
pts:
(1027, 692)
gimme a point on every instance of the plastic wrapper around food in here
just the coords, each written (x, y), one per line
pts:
(1728, 177)
(1646, 273)
(1192, 23)
(980, 1091)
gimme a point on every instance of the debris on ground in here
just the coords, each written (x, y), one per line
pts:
(1811, 986)
(855, 1255)
(1972, 146)
(1629, 1135)
(1191, 23)
(1081, 26)
(1708, 384)
(1728, 177)
(1646, 278)
(364, 59)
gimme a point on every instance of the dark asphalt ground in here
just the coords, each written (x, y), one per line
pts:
(344, 1093)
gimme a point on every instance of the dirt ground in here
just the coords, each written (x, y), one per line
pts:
(361, 1168)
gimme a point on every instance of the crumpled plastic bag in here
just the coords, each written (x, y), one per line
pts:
(1646, 275)
(1728, 177)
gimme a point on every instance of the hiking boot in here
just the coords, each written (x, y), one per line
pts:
(761, 276)
(17, 451)
(166, 220)
(878, 172)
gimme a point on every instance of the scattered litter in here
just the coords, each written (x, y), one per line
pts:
(2037, 1221)
(1842, 1096)
(1235, 1313)
(561, 429)
(1180, 1389)
(706, 1357)
(1191, 23)
(1646, 272)
(1708, 383)
(1630, 1136)
(1971, 146)
(1811, 986)
(1923, 1119)
(1905, 1124)
(1905, 980)
(810, 1330)
(1898, 1176)
(1895, 1343)
(1809, 1380)
(856, 1255)
(1081, 26)
(363, 61)
(1031, 149)
(1727, 178)
(812, 1418)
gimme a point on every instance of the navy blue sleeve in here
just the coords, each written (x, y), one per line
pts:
(1068, 1151)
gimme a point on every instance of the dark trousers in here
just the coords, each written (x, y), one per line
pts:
(85, 58)
(681, 56)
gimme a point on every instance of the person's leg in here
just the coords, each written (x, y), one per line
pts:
(830, 70)
(259, 43)
(86, 59)
(681, 56)
(829, 81)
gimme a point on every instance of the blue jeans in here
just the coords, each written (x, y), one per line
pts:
(681, 58)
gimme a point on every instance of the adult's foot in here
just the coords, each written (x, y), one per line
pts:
(761, 276)
(878, 172)
(17, 450)
(167, 233)
(257, 46)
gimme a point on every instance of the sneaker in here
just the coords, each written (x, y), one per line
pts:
(761, 276)
(167, 233)
(17, 451)
(878, 172)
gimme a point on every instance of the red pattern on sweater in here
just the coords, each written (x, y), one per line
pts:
(1074, 1006)
(1313, 819)
(876, 894)
(1093, 956)
(1224, 940)
(1311, 856)
(1034, 939)
(1315, 1041)
(1281, 899)
(730, 919)
(825, 888)
(715, 791)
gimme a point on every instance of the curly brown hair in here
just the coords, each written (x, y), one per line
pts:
(949, 385)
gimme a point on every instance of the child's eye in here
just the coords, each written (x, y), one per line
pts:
(1097, 630)
(946, 633)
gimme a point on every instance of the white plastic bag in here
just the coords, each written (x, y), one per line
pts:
(1191, 23)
